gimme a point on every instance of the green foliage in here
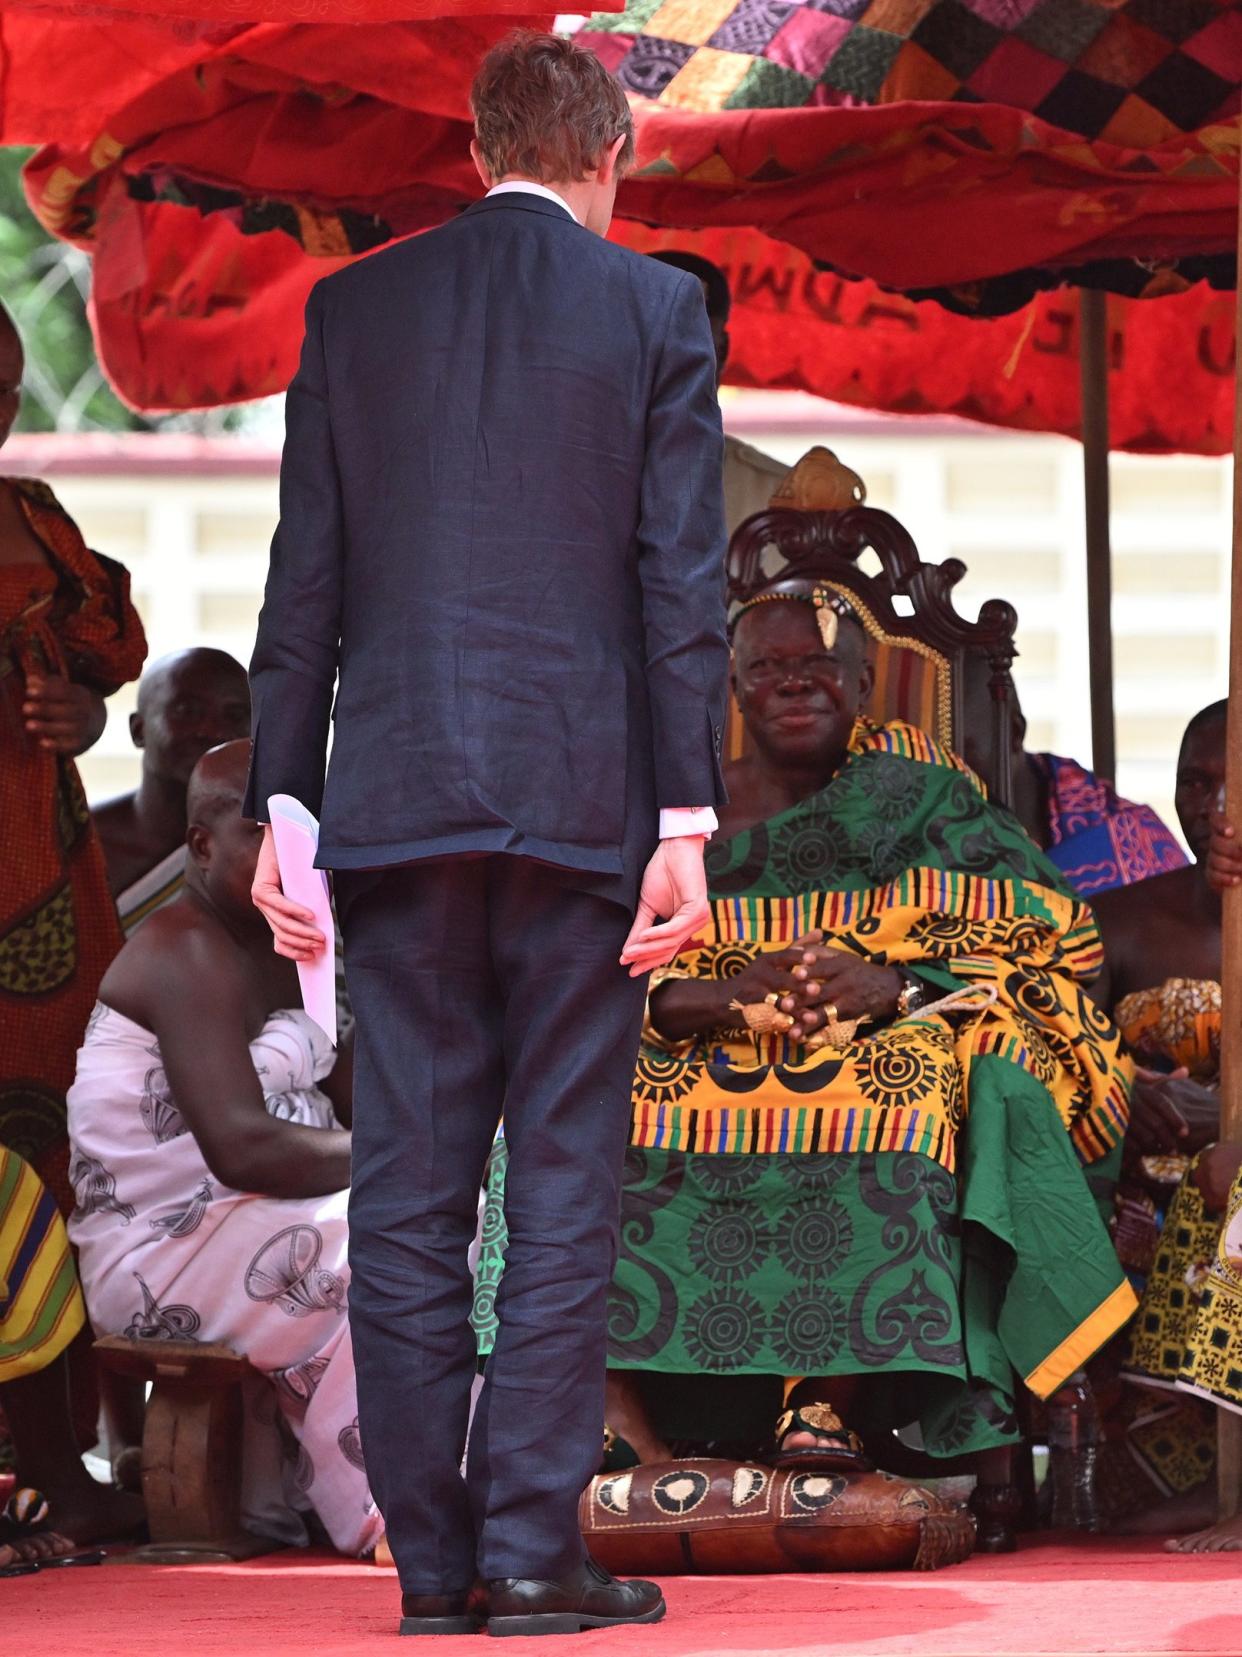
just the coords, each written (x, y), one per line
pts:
(44, 284)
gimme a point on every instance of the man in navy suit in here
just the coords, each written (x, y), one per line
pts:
(502, 540)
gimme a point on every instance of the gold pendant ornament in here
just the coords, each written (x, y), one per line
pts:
(826, 616)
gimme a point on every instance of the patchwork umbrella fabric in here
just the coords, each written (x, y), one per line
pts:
(1144, 98)
(1134, 75)
(978, 152)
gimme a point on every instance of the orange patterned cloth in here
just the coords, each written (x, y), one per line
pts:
(58, 924)
(1177, 1022)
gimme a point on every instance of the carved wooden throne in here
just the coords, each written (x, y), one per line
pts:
(923, 651)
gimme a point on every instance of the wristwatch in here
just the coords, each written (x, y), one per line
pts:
(912, 996)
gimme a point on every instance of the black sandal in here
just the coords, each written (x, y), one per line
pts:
(17, 1526)
(843, 1454)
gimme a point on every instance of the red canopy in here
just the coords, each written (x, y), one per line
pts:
(203, 163)
(211, 14)
(1171, 363)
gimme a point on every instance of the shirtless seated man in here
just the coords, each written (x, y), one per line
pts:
(211, 1166)
(1161, 984)
(1161, 980)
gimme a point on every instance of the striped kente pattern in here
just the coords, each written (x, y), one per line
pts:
(778, 921)
(41, 1307)
(746, 1131)
(897, 808)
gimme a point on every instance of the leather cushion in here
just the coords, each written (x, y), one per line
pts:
(738, 1517)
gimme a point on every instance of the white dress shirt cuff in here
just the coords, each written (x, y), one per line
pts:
(677, 821)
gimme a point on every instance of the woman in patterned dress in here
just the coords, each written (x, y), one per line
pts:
(68, 637)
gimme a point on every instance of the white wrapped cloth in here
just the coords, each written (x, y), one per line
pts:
(166, 1252)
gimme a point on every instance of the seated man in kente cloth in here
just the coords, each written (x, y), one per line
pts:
(187, 703)
(211, 1166)
(897, 1221)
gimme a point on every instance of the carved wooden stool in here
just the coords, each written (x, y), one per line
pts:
(191, 1448)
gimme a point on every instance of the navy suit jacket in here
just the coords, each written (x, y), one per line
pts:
(502, 537)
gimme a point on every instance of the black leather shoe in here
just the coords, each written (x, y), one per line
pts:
(462, 1613)
(588, 1599)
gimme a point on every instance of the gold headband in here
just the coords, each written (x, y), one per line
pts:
(829, 605)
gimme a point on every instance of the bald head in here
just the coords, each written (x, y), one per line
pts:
(1214, 718)
(188, 703)
(976, 739)
(223, 845)
(218, 785)
(164, 678)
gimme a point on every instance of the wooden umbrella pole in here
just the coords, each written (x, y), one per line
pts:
(1093, 363)
(1229, 1460)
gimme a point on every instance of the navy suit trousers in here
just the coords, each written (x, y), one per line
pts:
(484, 985)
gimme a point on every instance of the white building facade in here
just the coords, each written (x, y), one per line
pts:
(192, 519)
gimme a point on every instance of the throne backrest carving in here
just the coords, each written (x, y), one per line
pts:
(921, 657)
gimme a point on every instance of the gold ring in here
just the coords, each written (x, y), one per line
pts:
(830, 1014)
(772, 998)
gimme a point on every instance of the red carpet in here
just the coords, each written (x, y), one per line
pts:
(1078, 1599)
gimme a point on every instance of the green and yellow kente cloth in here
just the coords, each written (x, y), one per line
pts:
(972, 906)
(912, 1206)
(41, 1306)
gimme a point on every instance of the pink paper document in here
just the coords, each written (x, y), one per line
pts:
(296, 834)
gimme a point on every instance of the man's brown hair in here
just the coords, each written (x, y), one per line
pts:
(546, 109)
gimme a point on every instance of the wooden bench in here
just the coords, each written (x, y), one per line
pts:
(191, 1448)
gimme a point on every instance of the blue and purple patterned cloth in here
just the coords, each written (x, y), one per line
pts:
(1097, 839)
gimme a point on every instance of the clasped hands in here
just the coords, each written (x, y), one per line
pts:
(816, 983)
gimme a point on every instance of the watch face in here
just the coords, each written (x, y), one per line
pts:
(913, 995)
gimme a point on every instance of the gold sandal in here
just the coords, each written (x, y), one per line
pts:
(846, 1455)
